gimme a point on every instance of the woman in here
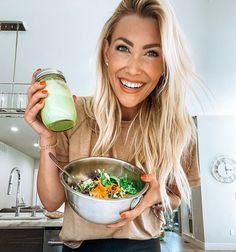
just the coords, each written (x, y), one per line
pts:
(138, 114)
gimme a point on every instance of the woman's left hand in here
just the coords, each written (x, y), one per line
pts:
(151, 197)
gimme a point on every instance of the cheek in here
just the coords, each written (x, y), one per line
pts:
(115, 66)
(155, 74)
(117, 61)
(156, 70)
(112, 69)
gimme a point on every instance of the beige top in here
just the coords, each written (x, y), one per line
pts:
(78, 143)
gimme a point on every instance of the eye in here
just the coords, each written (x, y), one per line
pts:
(152, 53)
(122, 48)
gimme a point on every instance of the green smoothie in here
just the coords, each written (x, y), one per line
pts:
(58, 113)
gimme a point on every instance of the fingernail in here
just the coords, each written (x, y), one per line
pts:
(123, 215)
(144, 176)
(42, 82)
(41, 101)
(44, 91)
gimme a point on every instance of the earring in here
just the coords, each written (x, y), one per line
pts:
(106, 63)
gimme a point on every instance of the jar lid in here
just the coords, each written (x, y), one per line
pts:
(48, 71)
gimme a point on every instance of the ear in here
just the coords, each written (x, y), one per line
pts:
(105, 50)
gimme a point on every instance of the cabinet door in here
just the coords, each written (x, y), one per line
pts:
(21, 240)
(52, 242)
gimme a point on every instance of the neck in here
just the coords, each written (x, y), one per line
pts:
(128, 114)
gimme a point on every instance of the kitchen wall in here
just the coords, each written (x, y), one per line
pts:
(213, 205)
(193, 16)
(221, 53)
(212, 34)
(209, 26)
(216, 137)
(9, 158)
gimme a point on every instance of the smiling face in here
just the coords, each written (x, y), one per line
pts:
(135, 62)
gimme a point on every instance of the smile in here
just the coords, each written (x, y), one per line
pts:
(133, 85)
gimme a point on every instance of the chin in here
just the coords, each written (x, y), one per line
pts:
(129, 105)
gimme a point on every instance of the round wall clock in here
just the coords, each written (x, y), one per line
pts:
(224, 169)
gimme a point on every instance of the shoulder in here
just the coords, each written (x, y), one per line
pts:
(84, 101)
(189, 154)
(190, 164)
(83, 106)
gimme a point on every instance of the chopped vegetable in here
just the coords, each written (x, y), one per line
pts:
(102, 185)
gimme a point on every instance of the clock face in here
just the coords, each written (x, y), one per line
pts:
(224, 169)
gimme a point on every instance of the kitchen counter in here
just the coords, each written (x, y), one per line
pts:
(44, 222)
(30, 231)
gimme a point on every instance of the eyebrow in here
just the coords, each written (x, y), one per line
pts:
(132, 45)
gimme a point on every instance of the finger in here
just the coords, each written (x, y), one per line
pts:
(117, 224)
(143, 204)
(36, 97)
(35, 87)
(33, 78)
(151, 197)
(35, 73)
(31, 114)
(74, 98)
(131, 214)
(32, 117)
(148, 177)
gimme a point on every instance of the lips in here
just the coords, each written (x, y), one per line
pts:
(131, 85)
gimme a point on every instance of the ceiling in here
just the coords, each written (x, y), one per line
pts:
(21, 140)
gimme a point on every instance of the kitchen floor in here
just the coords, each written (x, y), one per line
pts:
(174, 243)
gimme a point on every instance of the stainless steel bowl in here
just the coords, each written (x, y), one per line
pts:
(101, 211)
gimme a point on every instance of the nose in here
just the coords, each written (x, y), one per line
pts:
(134, 66)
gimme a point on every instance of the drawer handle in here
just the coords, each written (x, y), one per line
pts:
(55, 243)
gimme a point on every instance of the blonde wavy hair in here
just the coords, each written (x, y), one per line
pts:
(163, 128)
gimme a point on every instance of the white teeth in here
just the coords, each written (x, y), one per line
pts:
(131, 84)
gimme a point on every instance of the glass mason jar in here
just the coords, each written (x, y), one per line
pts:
(58, 113)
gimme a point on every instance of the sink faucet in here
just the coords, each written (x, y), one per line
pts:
(18, 192)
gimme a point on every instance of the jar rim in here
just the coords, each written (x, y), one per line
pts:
(48, 71)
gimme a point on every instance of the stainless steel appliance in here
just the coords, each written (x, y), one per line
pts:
(107, 210)
(51, 241)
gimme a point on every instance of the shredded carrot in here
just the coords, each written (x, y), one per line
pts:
(101, 191)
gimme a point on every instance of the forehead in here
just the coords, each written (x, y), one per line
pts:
(137, 28)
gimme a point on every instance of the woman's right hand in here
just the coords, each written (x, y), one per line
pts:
(36, 94)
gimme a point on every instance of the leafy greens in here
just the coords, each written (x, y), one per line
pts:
(103, 185)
